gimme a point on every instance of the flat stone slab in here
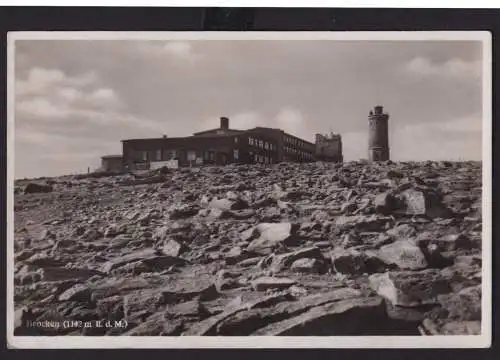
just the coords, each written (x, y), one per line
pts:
(266, 282)
(348, 317)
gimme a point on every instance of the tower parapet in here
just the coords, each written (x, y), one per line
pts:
(329, 147)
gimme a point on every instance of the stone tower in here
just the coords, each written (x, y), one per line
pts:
(378, 137)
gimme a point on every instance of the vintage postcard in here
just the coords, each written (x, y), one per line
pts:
(249, 189)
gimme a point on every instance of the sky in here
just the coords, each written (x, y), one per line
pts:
(76, 99)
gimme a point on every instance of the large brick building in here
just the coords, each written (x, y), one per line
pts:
(219, 147)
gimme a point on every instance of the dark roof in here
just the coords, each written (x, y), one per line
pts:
(111, 157)
(228, 131)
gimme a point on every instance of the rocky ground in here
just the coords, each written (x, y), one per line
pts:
(292, 249)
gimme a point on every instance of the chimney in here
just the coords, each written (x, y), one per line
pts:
(224, 123)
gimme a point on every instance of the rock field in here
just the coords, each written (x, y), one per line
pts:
(289, 249)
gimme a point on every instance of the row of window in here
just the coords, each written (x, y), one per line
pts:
(303, 154)
(191, 155)
(263, 159)
(293, 141)
(261, 143)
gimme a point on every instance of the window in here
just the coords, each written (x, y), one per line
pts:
(158, 155)
(261, 144)
(144, 156)
(250, 141)
(174, 154)
(235, 140)
(266, 146)
(191, 155)
(236, 154)
(211, 156)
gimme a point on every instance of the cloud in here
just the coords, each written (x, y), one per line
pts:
(43, 108)
(459, 139)
(40, 80)
(52, 95)
(453, 68)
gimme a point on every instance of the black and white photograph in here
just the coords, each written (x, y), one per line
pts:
(249, 189)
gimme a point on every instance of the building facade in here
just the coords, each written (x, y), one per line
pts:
(219, 146)
(378, 135)
(112, 163)
(329, 147)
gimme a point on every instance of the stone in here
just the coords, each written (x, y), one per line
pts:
(174, 248)
(270, 236)
(189, 289)
(307, 265)
(183, 212)
(61, 273)
(423, 203)
(337, 318)
(42, 260)
(464, 305)
(191, 309)
(410, 289)
(250, 320)
(236, 255)
(126, 259)
(430, 327)
(385, 203)
(277, 283)
(403, 253)
(226, 281)
(402, 231)
(33, 188)
(209, 325)
(283, 261)
(450, 242)
(78, 292)
(354, 262)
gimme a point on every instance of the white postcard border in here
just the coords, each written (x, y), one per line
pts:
(56, 342)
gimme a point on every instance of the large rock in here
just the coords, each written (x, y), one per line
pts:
(308, 266)
(354, 262)
(276, 283)
(464, 305)
(362, 316)
(209, 325)
(450, 242)
(246, 322)
(78, 292)
(418, 202)
(190, 288)
(267, 236)
(407, 288)
(284, 261)
(174, 248)
(403, 253)
(126, 259)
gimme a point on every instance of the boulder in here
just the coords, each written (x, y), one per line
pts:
(403, 253)
(283, 261)
(410, 289)
(464, 305)
(270, 235)
(337, 318)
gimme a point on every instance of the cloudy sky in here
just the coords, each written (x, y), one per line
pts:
(75, 100)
